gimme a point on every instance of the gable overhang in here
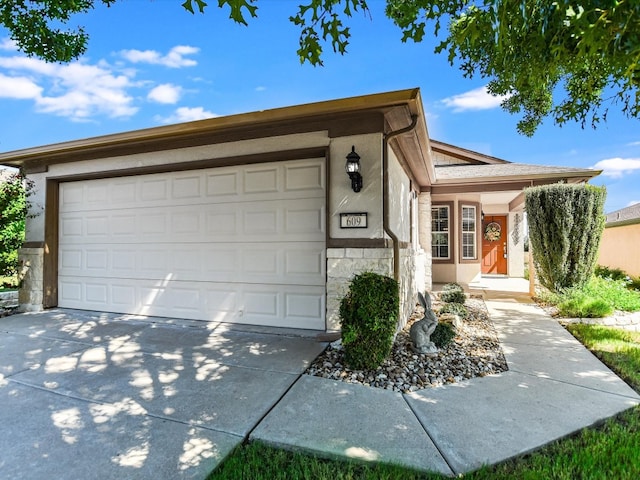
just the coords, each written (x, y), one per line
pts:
(508, 190)
(515, 183)
(381, 113)
(468, 156)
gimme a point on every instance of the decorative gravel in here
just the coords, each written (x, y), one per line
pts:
(474, 352)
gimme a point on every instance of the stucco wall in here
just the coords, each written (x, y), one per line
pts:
(619, 248)
(399, 200)
(342, 199)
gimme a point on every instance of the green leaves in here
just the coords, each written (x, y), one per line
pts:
(15, 190)
(555, 59)
(323, 20)
(31, 26)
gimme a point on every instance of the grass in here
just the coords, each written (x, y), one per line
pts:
(599, 298)
(608, 452)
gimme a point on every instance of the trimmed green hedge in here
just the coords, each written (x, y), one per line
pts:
(369, 314)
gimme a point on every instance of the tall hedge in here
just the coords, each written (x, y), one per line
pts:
(369, 314)
(565, 228)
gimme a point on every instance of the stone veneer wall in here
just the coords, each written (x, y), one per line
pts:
(344, 263)
(408, 284)
(31, 269)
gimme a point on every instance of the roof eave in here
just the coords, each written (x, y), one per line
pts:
(145, 139)
(575, 177)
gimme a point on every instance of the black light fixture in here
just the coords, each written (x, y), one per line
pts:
(353, 170)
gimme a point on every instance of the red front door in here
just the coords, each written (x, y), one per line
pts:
(494, 244)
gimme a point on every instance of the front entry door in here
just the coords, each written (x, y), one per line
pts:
(494, 244)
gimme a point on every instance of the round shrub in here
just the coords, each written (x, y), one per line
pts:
(443, 334)
(455, 308)
(453, 295)
(452, 286)
(369, 314)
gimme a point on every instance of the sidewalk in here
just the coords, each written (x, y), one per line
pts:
(554, 387)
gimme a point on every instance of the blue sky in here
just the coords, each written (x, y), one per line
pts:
(151, 63)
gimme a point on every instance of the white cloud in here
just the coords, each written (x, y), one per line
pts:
(617, 167)
(174, 59)
(261, 89)
(476, 99)
(18, 87)
(165, 93)
(633, 202)
(7, 44)
(76, 90)
(186, 114)
(633, 144)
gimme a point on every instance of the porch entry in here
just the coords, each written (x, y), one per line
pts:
(494, 244)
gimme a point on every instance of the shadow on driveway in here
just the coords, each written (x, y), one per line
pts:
(98, 395)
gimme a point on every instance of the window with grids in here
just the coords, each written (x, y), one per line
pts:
(469, 233)
(440, 238)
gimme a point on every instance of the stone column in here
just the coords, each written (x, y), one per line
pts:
(31, 279)
(424, 236)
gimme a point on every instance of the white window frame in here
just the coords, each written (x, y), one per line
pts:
(467, 234)
(436, 221)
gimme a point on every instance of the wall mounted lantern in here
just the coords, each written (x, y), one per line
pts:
(353, 170)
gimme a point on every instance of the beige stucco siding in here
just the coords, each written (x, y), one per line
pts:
(342, 199)
(399, 200)
(619, 248)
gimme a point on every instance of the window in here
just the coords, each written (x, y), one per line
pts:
(469, 233)
(440, 235)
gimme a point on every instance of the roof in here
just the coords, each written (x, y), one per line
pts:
(624, 216)
(383, 112)
(468, 156)
(497, 172)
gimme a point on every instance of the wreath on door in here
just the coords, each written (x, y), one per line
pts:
(492, 232)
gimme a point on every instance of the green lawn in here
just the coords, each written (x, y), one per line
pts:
(599, 298)
(609, 452)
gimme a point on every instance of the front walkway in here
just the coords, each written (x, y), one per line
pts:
(554, 387)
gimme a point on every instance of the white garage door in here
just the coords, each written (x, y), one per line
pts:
(235, 244)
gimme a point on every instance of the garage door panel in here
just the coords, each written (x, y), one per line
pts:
(272, 263)
(307, 177)
(300, 221)
(262, 180)
(286, 306)
(293, 180)
(239, 244)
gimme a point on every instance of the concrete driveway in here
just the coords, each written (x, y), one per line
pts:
(98, 395)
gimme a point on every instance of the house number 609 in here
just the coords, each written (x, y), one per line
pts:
(353, 220)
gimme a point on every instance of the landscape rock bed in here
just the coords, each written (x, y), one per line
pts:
(474, 352)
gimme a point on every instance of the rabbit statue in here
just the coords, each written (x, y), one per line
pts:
(421, 330)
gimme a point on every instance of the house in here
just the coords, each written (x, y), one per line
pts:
(253, 219)
(619, 244)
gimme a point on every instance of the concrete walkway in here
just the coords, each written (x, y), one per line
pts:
(554, 387)
(96, 395)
